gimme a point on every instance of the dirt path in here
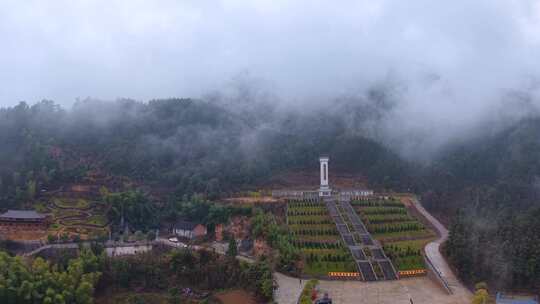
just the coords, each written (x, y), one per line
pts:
(432, 250)
(236, 297)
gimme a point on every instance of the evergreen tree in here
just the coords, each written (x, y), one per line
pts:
(232, 250)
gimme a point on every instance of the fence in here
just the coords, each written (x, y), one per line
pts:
(437, 275)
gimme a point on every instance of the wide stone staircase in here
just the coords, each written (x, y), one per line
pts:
(369, 257)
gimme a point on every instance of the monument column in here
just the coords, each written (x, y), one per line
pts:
(324, 190)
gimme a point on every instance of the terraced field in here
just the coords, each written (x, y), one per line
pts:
(372, 263)
(406, 255)
(77, 211)
(402, 235)
(315, 234)
(70, 203)
(388, 220)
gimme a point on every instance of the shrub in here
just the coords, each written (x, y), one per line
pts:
(305, 297)
(139, 235)
(481, 296)
(51, 239)
(480, 285)
(64, 237)
(76, 238)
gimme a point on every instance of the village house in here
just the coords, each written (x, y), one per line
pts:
(189, 230)
(261, 248)
(219, 232)
(239, 227)
(356, 192)
(23, 220)
(245, 245)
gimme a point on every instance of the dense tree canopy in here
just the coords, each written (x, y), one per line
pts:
(40, 282)
(191, 145)
(209, 148)
(184, 267)
(203, 211)
(134, 207)
(494, 184)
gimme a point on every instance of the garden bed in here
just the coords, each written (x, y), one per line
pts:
(77, 216)
(315, 235)
(402, 234)
(74, 203)
(390, 219)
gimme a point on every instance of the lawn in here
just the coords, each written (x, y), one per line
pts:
(414, 244)
(406, 255)
(323, 268)
(401, 236)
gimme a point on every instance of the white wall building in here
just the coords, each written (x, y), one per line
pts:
(356, 192)
(324, 188)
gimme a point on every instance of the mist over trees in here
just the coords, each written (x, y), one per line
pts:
(213, 149)
(494, 183)
(193, 146)
(441, 99)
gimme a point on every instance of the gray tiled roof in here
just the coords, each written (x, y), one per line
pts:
(22, 214)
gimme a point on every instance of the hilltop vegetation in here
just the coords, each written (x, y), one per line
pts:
(493, 182)
(183, 147)
(187, 146)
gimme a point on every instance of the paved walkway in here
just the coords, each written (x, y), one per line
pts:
(421, 290)
(432, 250)
(289, 289)
(118, 248)
(55, 246)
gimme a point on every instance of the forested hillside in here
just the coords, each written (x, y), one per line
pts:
(194, 146)
(189, 146)
(495, 183)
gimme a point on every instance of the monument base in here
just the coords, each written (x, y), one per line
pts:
(325, 192)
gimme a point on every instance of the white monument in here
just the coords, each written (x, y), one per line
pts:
(324, 190)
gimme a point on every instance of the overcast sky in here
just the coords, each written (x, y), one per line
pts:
(447, 53)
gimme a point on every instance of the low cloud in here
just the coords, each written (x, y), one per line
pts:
(445, 68)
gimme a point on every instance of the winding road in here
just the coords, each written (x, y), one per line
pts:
(432, 249)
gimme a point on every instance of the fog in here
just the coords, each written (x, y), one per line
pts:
(445, 68)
